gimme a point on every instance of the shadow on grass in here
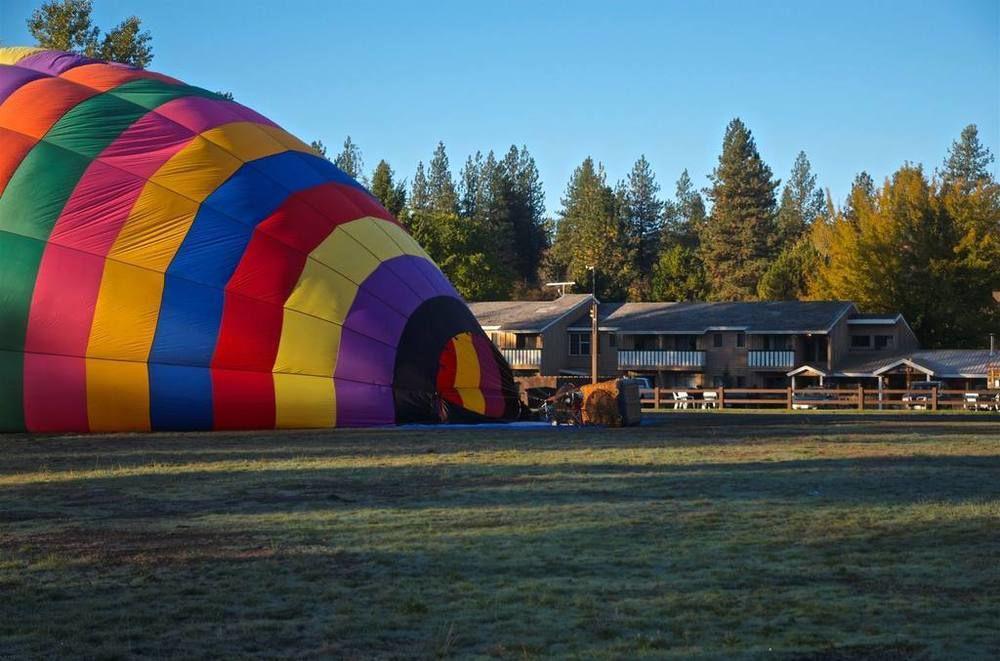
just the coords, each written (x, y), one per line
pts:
(840, 557)
(25, 453)
(813, 482)
(607, 588)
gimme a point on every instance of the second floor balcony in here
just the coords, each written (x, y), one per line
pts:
(771, 359)
(659, 358)
(523, 358)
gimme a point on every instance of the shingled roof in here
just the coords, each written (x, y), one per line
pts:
(750, 317)
(946, 363)
(526, 316)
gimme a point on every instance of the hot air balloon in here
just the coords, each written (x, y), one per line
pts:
(172, 260)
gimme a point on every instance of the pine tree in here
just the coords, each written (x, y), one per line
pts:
(390, 193)
(974, 207)
(738, 239)
(684, 216)
(968, 160)
(350, 160)
(526, 211)
(492, 216)
(420, 195)
(801, 203)
(418, 213)
(440, 185)
(589, 233)
(470, 187)
(679, 273)
(457, 234)
(643, 216)
(505, 200)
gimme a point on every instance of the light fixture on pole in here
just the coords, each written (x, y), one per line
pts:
(594, 345)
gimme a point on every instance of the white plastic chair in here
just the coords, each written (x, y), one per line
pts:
(681, 400)
(711, 400)
(971, 401)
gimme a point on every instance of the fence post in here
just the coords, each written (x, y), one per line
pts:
(861, 397)
(722, 398)
(656, 398)
(934, 398)
(788, 397)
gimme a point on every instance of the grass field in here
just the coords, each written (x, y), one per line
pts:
(713, 536)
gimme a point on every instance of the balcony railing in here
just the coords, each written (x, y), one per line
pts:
(656, 358)
(778, 359)
(523, 357)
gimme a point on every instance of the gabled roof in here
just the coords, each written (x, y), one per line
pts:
(809, 368)
(945, 363)
(904, 362)
(526, 316)
(750, 317)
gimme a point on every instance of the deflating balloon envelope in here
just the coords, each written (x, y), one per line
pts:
(170, 259)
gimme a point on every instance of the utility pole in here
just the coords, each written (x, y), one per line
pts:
(594, 345)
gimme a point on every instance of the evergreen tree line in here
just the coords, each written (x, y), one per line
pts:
(486, 230)
(924, 245)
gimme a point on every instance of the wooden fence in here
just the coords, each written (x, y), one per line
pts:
(661, 399)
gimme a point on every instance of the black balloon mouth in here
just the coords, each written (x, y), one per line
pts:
(424, 385)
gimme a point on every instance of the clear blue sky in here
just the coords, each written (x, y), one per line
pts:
(857, 85)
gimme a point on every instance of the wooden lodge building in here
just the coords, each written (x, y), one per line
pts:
(753, 345)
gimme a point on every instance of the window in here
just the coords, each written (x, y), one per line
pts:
(741, 381)
(717, 340)
(861, 341)
(883, 342)
(528, 341)
(644, 342)
(775, 342)
(579, 344)
(612, 340)
(682, 342)
(741, 340)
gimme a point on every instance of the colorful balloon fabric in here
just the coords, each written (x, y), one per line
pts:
(173, 260)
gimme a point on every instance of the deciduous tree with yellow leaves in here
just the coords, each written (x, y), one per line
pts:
(926, 247)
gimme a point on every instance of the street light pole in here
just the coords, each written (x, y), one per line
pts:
(594, 345)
